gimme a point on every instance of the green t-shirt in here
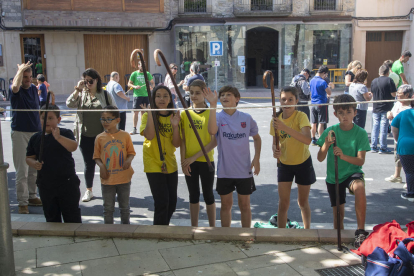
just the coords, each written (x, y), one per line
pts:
(398, 68)
(39, 68)
(350, 142)
(137, 78)
(187, 66)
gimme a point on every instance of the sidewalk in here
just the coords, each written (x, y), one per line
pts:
(93, 248)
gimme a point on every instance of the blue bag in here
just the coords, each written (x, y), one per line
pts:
(405, 256)
(380, 264)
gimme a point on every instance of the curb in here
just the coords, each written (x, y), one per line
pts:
(179, 232)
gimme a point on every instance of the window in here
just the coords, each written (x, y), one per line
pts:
(325, 5)
(393, 36)
(198, 6)
(374, 36)
(266, 5)
(326, 48)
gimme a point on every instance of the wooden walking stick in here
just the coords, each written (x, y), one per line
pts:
(272, 90)
(134, 63)
(42, 138)
(332, 137)
(157, 60)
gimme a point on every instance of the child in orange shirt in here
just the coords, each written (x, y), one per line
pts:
(113, 154)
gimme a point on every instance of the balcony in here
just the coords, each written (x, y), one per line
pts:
(262, 7)
(325, 6)
(194, 7)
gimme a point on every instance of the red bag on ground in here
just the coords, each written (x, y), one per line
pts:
(410, 233)
(385, 236)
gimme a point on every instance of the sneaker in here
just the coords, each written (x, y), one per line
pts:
(23, 209)
(87, 196)
(35, 202)
(408, 197)
(394, 179)
(134, 131)
(360, 236)
(374, 150)
(385, 151)
(405, 186)
(314, 140)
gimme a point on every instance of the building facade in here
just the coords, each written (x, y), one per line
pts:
(284, 36)
(381, 31)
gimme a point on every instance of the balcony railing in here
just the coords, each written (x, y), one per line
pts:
(319, 6)
(325, 5)
(192, 7)
(262, 7)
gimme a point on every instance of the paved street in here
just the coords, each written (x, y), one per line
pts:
(384, 201)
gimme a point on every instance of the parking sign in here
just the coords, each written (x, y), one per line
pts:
(216, 48)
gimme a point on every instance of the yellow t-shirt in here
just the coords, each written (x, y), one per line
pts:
(151, 154)
(113, 149)
(298, 152)
(201, 123)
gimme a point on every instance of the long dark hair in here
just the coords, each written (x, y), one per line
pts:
(170, 104)
(90, 72)
(287, 89)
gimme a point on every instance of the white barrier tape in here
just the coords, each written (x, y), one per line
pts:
(210, 108)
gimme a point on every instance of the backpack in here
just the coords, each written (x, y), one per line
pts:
(297, 82)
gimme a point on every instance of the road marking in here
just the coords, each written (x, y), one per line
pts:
(366, 179)
(250, 103)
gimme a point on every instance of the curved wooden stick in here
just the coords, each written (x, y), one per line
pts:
(332, 137)
(157, 60)
(272, 90)
(157, 132)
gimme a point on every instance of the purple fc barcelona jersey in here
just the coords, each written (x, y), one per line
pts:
(233, 144)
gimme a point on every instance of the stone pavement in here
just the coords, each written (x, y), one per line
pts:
(46, 255)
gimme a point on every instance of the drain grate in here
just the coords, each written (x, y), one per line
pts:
(352, 270)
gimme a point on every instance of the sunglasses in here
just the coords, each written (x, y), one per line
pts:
(89, 81)
(175, 68)
(107, 120)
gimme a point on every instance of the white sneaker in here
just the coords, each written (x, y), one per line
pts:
(405, 186)
(394, 179)
(88, 196)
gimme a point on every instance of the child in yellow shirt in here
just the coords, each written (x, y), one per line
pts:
(293, 128)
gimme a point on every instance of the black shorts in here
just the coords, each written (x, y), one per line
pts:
(342, 188)
(138, 101)
(304, 173)
(244, 186)
(319, 114)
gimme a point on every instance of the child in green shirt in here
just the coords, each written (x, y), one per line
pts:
(351, 145)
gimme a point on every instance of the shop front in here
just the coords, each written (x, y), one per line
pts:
(251, 49)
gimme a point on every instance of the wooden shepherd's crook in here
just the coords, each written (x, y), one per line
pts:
(42, 138)
(134, 63)
(272, 90)
(332, 136)
(157, 60)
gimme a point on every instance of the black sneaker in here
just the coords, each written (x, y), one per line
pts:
(314, 140)
(409, 197)
(360, 236)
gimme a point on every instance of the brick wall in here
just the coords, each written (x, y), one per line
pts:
(13, 10)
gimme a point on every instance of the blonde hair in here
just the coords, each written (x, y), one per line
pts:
(349, 66)
(356, 65)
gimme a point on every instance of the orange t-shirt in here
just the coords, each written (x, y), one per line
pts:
(113, 149)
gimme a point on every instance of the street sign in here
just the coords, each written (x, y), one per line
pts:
(216, 63)
(216, 48)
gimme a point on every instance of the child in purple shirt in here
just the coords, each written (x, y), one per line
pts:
(234, 170)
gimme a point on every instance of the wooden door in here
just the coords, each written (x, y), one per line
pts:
(381, 46)
(33, 49)
(108, 53)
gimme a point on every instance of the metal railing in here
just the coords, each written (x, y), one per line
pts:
(336, 76)
(195, 6)
(324, 5)
(256, 7)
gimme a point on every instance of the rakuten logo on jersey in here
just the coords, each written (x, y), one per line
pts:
(232, 136)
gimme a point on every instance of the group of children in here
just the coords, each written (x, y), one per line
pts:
(229, 130)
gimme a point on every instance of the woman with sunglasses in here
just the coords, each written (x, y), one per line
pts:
(88, 95)
(169, 83)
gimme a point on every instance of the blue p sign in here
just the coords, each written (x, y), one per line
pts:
(216, 48)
